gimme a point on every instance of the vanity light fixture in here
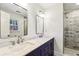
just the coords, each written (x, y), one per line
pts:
(41, 13)
(18, 11)
(24, 5)
(21, 6)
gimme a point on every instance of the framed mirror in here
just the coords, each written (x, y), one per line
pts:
(14, 20)
(40, 25)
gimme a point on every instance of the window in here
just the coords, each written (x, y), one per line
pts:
(13, 25)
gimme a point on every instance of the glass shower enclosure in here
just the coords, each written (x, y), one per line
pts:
(71, 32)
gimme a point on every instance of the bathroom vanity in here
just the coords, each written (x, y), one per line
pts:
(47, 49)
(31, 47)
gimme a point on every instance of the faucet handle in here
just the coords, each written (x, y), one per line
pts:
(22, 40)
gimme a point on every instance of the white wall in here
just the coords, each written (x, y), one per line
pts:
(32, 12)
(53, 24)
(5, 19)
(0, 23)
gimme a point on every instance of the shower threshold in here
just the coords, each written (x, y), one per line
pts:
(71, 52)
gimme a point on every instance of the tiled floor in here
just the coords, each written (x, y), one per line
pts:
(70, 52)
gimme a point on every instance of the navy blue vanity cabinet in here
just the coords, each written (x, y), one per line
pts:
(36, 52)
(51, 44)
(47, 49)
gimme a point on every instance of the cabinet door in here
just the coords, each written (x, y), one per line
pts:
(36, 52)
(51, 44)
(48, 48)
(45, 49)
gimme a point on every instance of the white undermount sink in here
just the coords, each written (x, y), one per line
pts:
(23, 45)
(14, 49)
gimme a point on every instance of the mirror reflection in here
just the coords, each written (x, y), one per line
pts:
(40, 23)
(13, 20)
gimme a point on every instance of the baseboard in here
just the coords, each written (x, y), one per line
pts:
(56, 53)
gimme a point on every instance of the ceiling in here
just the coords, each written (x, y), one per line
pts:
(47, 6)
(13, 8)
(68, 7)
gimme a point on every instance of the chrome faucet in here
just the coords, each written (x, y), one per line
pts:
(40, 35)
(20, 39)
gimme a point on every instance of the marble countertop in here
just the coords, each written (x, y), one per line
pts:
(23, 48)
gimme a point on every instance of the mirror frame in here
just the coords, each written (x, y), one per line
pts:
(37, 18)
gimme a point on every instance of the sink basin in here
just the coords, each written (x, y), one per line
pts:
(4, 50)
(14, 50)
(18, 48)
(22, 46)
(32, 41)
